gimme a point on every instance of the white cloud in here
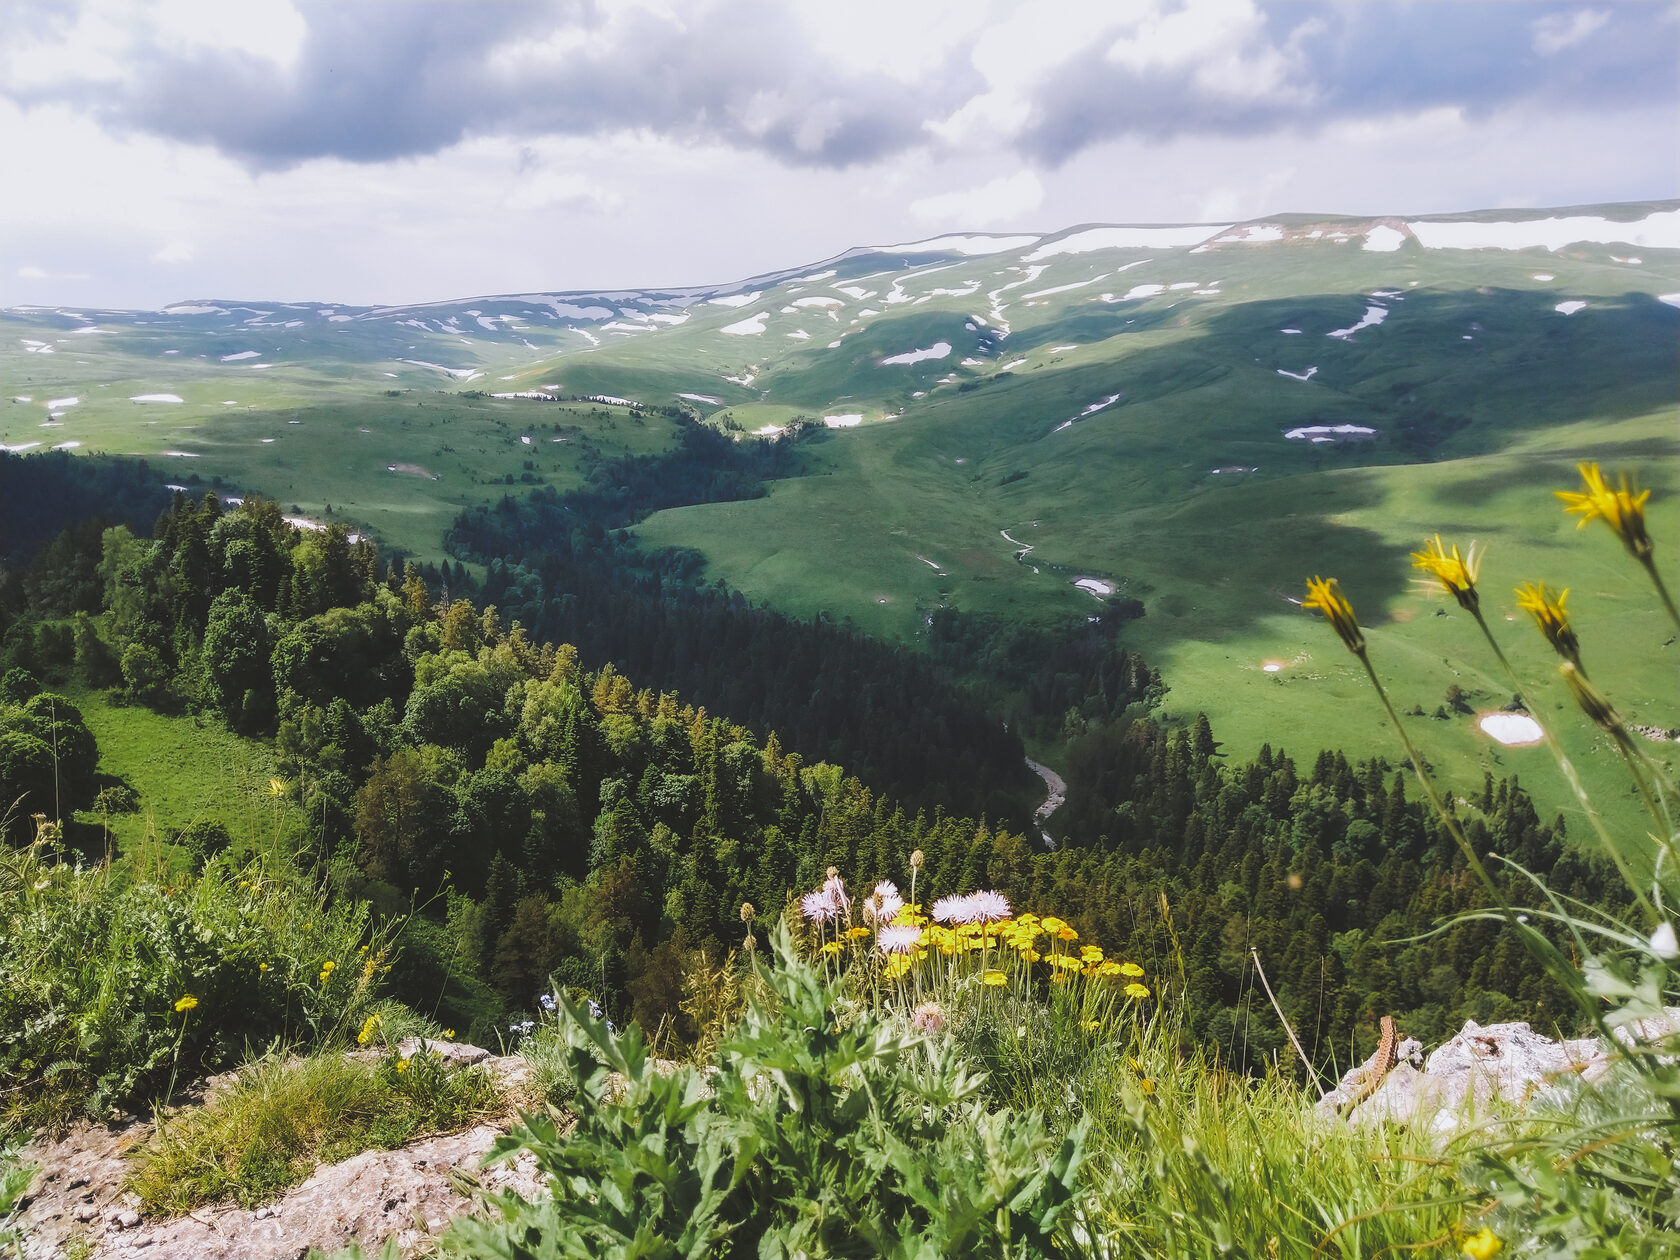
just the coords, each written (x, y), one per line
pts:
(1002, 200)
(1557, 31)
(174, 252)
(546, 190)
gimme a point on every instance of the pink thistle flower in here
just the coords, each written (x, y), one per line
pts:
(989, 907)
(898, 940)
(820, 907)
(928, 1018)
(954, 910)
(883, 905)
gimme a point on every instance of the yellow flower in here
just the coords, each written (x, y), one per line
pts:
(1029, 953)
(1483, 1244)
(1591, 700)
(368, 1030)
(276, 787)
(1325, 594)
(1091, 1025)
(832, 948)
(857, 932)
(1111, 968)
(1130, 969)
(402, 1065)
(1090, 953)
(1552, 618)
(449, 1034)
(1053, 925)
(1065, 961)
(1135, 990)
(262, 966)
(1622, 509)
(1456, 573)
(186, 1003)
(329, 965)
(1147, 1085)
(995, 978)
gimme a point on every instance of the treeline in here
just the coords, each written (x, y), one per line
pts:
(45, 494)
(559, 820)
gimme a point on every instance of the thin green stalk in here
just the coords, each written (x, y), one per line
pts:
(1569, 772)
(1662, 590)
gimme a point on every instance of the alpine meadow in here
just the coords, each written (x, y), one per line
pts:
(1151, 739)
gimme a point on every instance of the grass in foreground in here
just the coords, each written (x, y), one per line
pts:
(286, 1116)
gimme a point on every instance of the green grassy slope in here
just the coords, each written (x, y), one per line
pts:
(1120, 411)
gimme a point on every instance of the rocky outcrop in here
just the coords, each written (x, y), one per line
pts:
(79, 1197)
(1480, 1073)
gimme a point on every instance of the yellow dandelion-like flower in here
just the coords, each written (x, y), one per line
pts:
(277, 787)
(1091, 1025)
(1129, 969)
(1090, 953)
(1053, 925)
(1065, 962)
(1552, 618)
(1135, 990)
(1325, 594)
(1622, 509)
(995, 978)
(1110, 969)
(1029, 953)
(1483, 1244)
(1456, 573)
(1147, 1085)
(1591, 700)
(262, 966)
(449, 1034)
(1067, 934)
(856, 932)
(831, 948)
(186, 1003)
(402, 1065)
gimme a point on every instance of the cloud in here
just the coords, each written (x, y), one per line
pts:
(40, 273)
(1557, 31)
(174, 252)
(274, 85)
(1003, 200)
(548, 190)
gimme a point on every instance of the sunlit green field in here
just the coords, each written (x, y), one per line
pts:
(1116, 417)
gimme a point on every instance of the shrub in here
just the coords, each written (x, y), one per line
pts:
(817, 1134)
(111, 989)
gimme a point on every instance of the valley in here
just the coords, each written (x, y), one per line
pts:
(1186, 420)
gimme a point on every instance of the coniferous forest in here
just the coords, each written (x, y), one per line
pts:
(555, 800)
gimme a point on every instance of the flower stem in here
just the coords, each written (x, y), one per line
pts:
(1662, 590)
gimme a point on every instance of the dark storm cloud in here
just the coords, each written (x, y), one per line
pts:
(1359, 59)
(381, 81)
(375, 82)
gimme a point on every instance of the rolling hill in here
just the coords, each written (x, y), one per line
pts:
(1033, 427)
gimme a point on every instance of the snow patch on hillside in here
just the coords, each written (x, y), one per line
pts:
(1660, 230)
(1569, 308)
(1127, 238)
(749, 327)
(938, 350)
(737, 299)
(243, 354)
(849, 421)
(1299, 376)
(156, 398)
(1384, 239)
(1374, 315)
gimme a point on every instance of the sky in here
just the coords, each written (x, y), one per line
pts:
(382, 153)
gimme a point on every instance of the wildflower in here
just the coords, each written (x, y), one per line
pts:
(995, 978)
(883, 905)
(547, 1002)
(1663, 942)
(746, 912)
(1622, 509)
(1147, 1085)
(990, 906)
(916, 860)
(821, 906)
(832, 948)
(1135, 990)
(1110, 969)
(1091, 1025)
(1066, 933)
(898, 940)
(1483, 1244)
(1130, 969)
(1552, 618)
(276, 787)
(928, 1018)
(1325, 594)
(368, 1030)
(1090, 953)
(186, 1003)
(262, 966)
(1592, 702)
(402, 1065)
(1065, 961)
(954, 910)
(856, 932)
(1052, 925)
(1457, 574)
(328, 967)
(449, 1034)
